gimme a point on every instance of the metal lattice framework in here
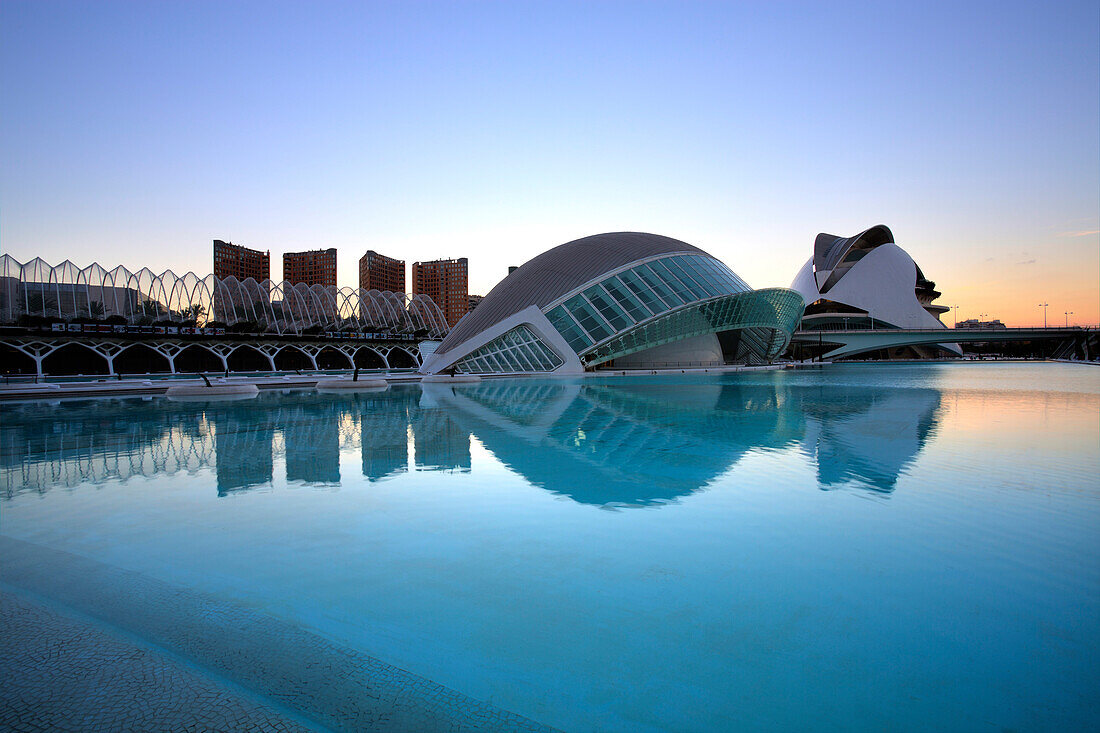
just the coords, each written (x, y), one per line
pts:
(39, 348)
(766, 317)
(66, 291)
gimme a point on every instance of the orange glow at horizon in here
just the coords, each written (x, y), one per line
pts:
(1066, 278)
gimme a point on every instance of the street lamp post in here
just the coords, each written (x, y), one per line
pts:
(1068, 314)
(956, 316)
(1044, 307)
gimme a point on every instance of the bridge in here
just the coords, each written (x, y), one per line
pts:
(849, 342)
(45, 353)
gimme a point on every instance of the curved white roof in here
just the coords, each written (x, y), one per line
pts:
(830, 250)
(868, 272)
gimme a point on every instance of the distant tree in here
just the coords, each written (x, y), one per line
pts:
(29, 320)
(39, 304)
(244, 327)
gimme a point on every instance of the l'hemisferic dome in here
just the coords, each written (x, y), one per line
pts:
(624, 300)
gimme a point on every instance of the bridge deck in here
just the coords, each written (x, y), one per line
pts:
(854, 341)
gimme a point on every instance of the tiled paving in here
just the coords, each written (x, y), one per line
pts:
(61, 673)
(292, 669)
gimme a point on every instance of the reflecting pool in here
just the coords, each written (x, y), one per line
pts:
(886, 546)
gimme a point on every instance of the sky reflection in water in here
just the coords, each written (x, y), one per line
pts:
(889, 546)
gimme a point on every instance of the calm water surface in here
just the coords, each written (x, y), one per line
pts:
(886, 546)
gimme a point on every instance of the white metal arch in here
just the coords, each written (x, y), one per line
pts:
(68, 292)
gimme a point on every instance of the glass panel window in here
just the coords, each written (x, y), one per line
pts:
(514, 356)
(548, 356)
(520, 354)
(591, 321)
(495, 364)
(496, 356)
(533, 354)
(515, 364)
(509, 361)
(626, 299)
(577, 339)
(724, 275)
(658, 284)
(704, 278)
(687, 284)
(644, 293)
(607, 308)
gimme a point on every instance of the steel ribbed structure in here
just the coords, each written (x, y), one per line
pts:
(68, 292)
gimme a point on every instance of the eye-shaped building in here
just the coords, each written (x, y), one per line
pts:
(627, 300)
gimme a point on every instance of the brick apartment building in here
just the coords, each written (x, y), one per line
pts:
(315, 267)
(240, 262)
(447, 282)
(378, 272)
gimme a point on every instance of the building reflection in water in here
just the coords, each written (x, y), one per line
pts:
(384, 427)
(597, 441)
(311, 441)
(866, 435)
(243, 441)
(440, 443)
(643, 443)
(50, 445)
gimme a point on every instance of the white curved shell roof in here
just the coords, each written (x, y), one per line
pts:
(830, 250)
(881, 283)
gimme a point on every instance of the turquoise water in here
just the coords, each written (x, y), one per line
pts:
(868, 546)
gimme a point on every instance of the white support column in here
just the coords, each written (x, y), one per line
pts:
(37, 350)
(169, 350)
(221, 351)
(311, 351)
(268, 350)
(108, 350)
(344, 349)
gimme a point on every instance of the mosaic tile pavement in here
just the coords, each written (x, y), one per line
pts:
(282, 667)
(64, 674)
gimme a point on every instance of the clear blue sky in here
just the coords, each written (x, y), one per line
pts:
(136, 133)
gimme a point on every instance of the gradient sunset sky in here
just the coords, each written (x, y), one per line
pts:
(136, 133)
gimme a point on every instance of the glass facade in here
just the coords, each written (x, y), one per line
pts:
(518, 350)
(621, 301)
(764, 318)
(647, 304)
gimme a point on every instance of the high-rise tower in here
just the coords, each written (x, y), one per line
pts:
(240, 262)
(447, 283)
(315, 267)
(378, 272)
